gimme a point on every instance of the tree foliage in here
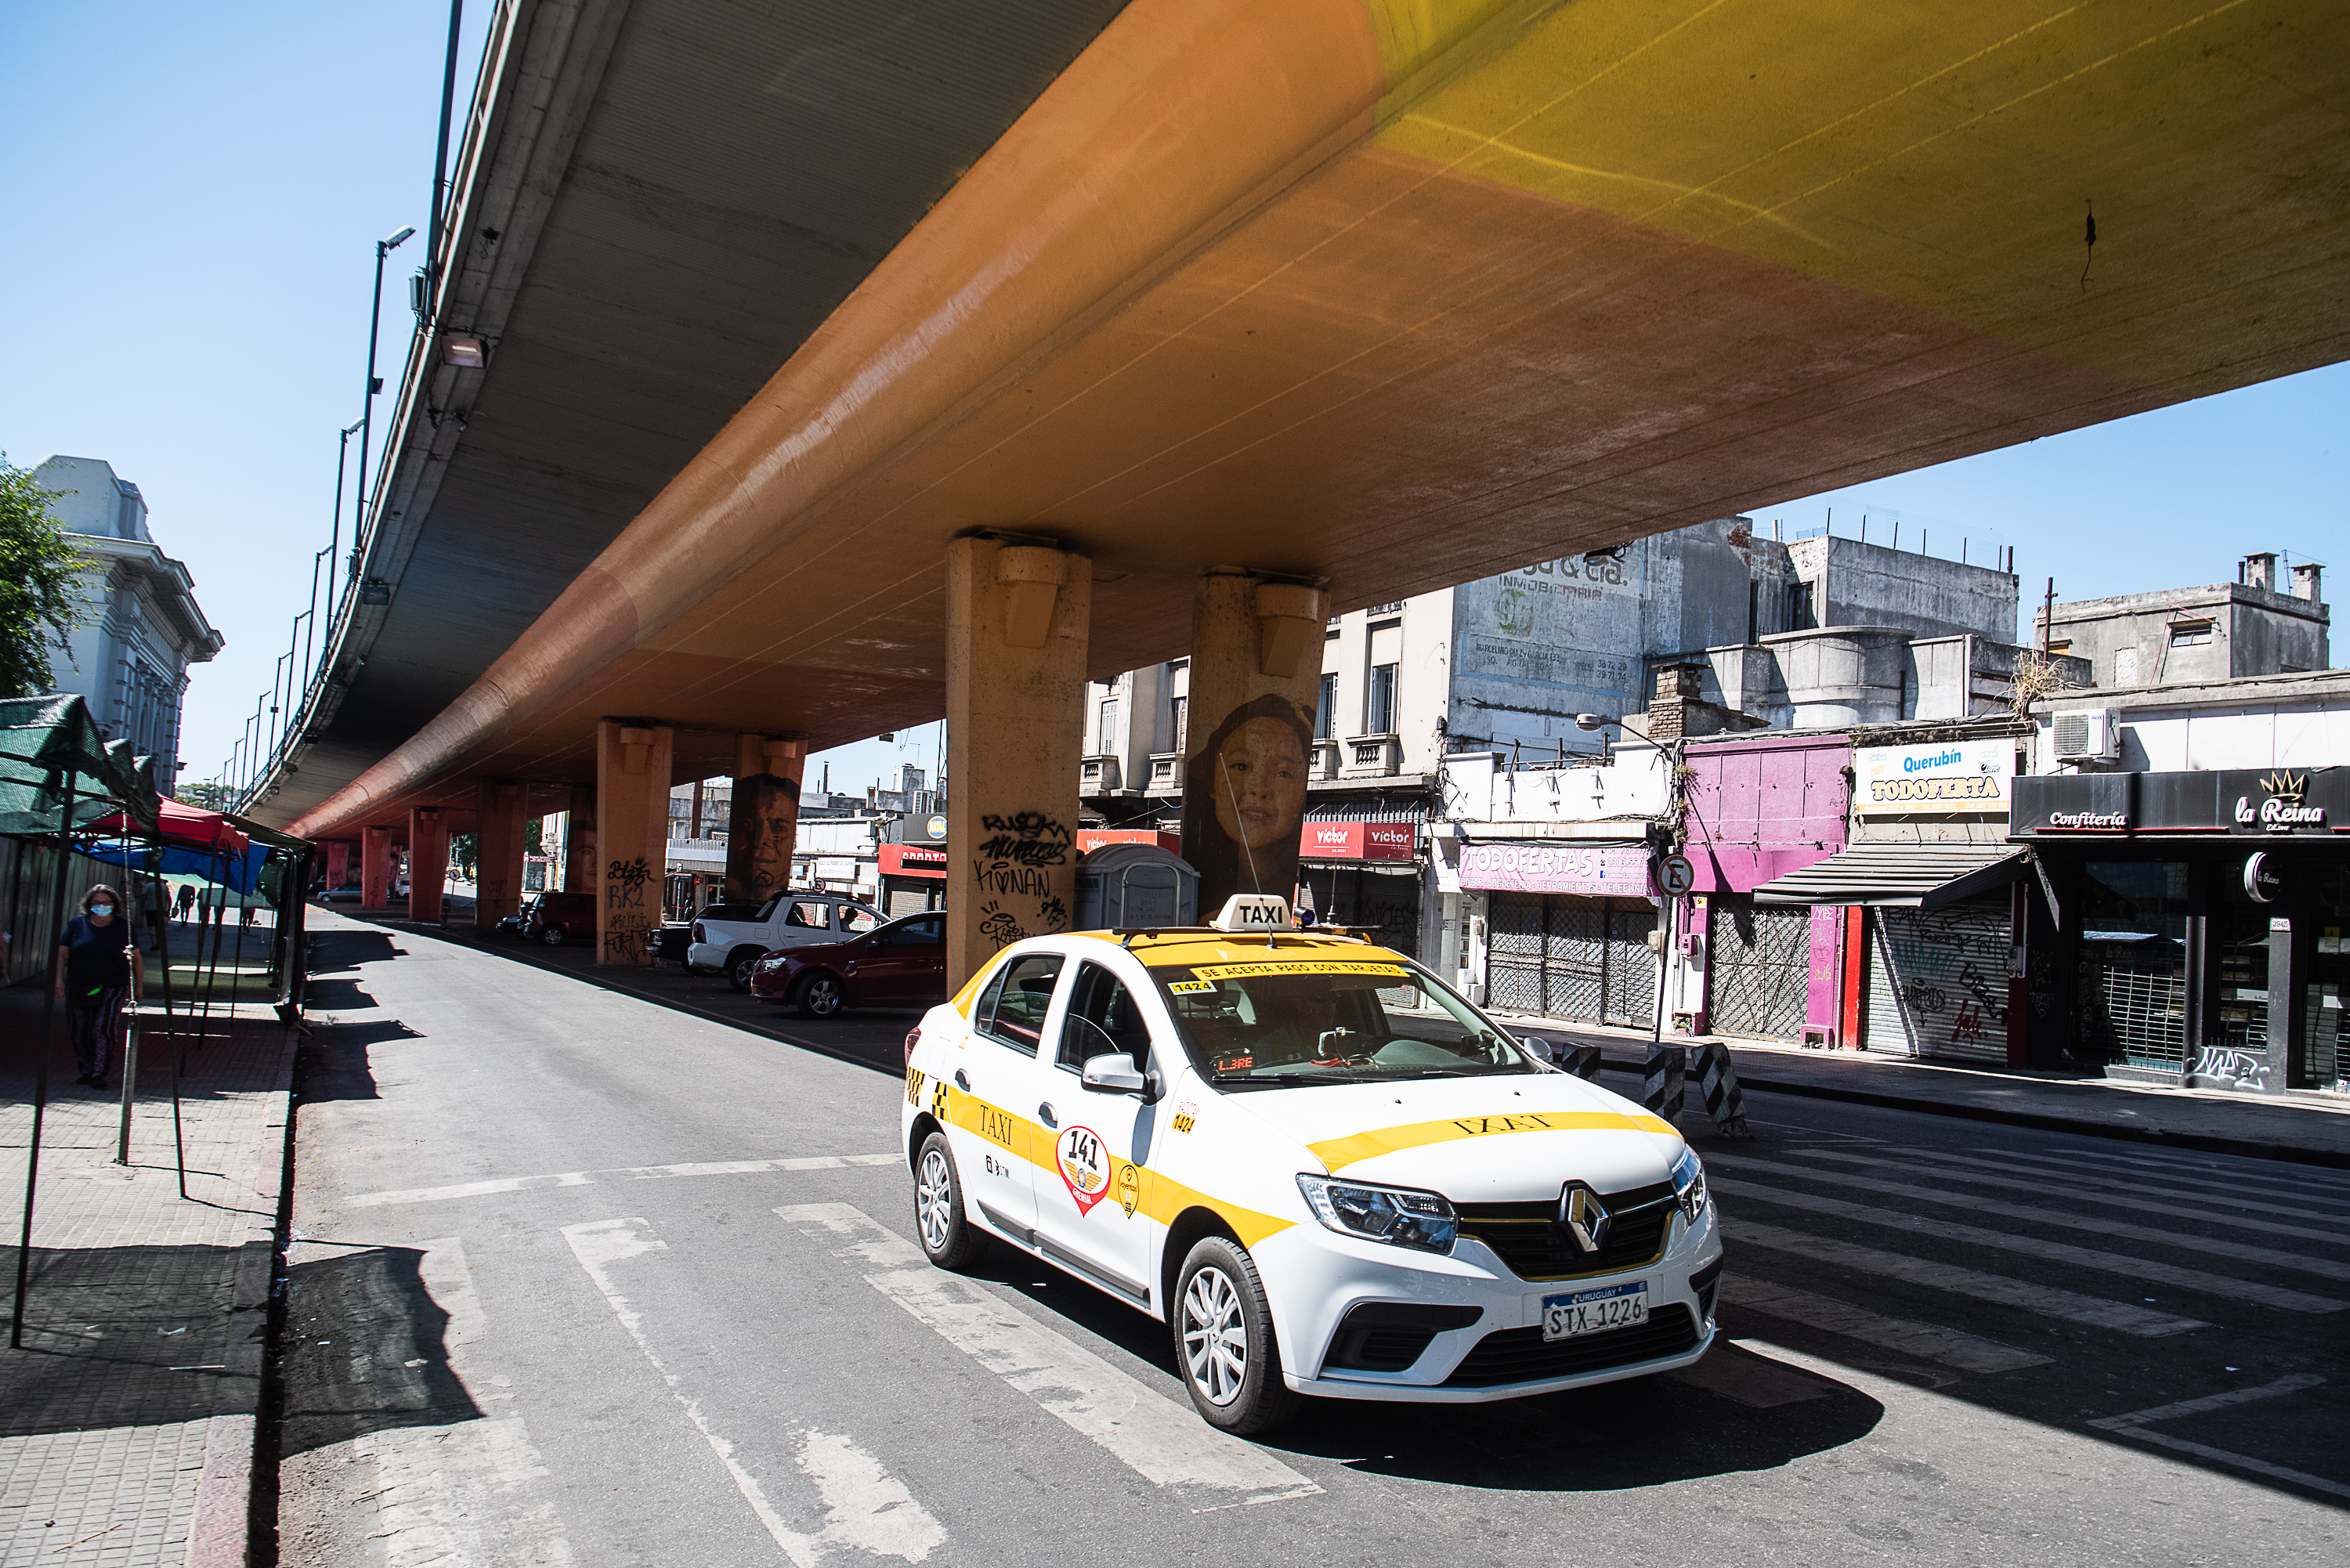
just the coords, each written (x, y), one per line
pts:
(40, 596)
(207, 796)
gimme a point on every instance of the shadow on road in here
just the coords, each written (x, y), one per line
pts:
(365, 1350)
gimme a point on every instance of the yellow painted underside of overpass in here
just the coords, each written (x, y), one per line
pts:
(1400, 295)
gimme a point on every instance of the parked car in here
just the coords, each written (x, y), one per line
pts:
(556, 919)
(667, 942)
(727, 943)
(901, 964)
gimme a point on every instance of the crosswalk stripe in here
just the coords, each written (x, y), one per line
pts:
(2264, 1179)
(2046, 1301)
(2299, 1263)
(2134, 1425)
(866, 1507)
(1165, 1443)
(2033, 1247)
(622, 1173)
(2083, 1189)
(1926, 1341)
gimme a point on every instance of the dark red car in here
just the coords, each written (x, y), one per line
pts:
(556, 919)
(901, 964)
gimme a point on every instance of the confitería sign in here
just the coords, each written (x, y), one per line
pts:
(1957, 776)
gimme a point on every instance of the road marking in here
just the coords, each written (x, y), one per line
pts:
(2298, 1262)
(1165, 1443)
(619, 1173)
(1926, 1341)
(2033, 1247)
(444, 1495)
(2133, 1426)
(2045, 1300)
(2296, 1188)
(2082, 1189)
(466, 1494)
(447, 1276)
(865, 1506)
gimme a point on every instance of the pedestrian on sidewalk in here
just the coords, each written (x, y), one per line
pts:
(187, 899)
(98, 968)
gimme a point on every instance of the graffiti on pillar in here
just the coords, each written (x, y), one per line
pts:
(1244, 801)
(628, 911)
(1020, 867)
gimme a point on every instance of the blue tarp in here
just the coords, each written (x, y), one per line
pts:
(240, 874)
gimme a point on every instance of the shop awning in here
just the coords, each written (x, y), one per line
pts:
(184, 826)
(1904, 876)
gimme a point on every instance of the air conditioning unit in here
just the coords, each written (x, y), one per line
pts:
(2087, 735)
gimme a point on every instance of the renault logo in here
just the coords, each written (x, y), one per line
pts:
(1580, 1211)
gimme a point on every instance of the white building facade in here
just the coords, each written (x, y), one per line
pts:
(141, 626)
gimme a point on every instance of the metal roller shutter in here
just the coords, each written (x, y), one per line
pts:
(1762, 968)
(1951, 966)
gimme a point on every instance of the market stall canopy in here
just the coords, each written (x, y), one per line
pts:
(187, 827)
(1902, 875)
(47, 743)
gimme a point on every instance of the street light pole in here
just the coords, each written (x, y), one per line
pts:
(1667, 905)
(342, 453)
(383, 248)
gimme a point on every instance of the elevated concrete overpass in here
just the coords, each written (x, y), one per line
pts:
(822, 364)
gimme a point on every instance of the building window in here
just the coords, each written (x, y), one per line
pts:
(2189, 633)
(1382, 715)
(1109, 741)
(1179, 714)
(1326, 706)
(1802, 612)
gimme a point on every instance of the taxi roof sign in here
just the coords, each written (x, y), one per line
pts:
(1252, 912)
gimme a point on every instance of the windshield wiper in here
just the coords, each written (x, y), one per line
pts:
(1289, 1079)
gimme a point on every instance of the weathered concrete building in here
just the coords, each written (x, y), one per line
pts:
(2219, 631)
(142, 628)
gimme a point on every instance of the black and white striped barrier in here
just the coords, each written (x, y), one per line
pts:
(1667, 1075)
(1583, 1061)
(1718, 1077)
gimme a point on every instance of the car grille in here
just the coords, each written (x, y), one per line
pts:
(1522, 1355)
(1529, 1238)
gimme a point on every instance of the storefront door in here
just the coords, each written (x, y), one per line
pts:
(1581, 958)
(1762, 968)
(1938, 979)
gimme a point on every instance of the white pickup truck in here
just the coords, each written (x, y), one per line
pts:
(729, 939)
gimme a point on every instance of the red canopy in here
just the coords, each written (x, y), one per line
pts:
(189, 827)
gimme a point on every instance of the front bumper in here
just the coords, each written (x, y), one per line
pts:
(707, 955)
(1317, 1277)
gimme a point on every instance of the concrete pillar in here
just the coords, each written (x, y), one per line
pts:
(1018, 617)
(338, 862)
(428, 863)
(579, 842)
(632, 769)
(500, 817)
(375, 868)
(763, 823)
(1256, 674)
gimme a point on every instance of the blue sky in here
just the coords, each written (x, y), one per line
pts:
(198, 189)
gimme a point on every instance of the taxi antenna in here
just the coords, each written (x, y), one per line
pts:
(1255, 885)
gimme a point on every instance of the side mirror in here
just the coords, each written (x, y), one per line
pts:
(1113, 1074)
(1542, 1049)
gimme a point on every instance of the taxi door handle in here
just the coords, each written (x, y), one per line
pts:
(1044, 1113)
(962, 1080)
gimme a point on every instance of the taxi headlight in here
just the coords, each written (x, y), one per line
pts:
(1396, 1215)
(1688, 1185)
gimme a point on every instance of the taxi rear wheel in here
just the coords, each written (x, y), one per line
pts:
(1224, 1343)
(948, 1238)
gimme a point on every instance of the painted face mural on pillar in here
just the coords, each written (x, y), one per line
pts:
(1252, 770)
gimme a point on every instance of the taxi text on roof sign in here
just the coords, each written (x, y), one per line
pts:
(1252, 912)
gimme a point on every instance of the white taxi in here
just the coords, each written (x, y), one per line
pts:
(1327, 1172)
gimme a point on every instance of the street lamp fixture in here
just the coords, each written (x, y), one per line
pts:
(463, 351)
(374, 384)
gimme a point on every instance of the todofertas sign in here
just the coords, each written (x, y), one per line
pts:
(1960, 776)
(1618, 872)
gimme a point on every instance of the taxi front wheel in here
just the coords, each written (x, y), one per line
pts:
(948, 1238)
(1224, 1343)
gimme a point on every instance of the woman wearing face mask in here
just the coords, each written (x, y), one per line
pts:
(96, 969)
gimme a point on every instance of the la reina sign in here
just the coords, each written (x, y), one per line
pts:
(1956, 778)
(2279, 803)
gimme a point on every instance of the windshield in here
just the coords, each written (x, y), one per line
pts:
(1281, 1023)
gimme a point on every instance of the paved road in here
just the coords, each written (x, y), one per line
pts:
(584, 1278)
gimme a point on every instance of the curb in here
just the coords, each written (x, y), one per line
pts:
(220, 1528)
(2207, 1143)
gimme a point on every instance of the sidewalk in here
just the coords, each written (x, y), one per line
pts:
(2306, 1129)
(127, 1420)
